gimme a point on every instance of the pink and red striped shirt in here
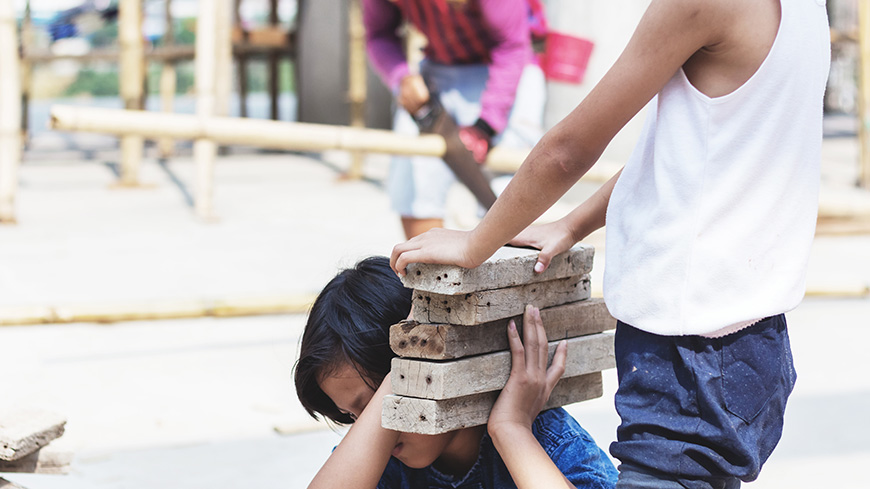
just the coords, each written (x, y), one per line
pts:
(494, 32)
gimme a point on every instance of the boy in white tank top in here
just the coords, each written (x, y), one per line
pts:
(709, 227)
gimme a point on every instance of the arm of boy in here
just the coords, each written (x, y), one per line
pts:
(670, 32)
(360, 458)
(520, 402)
(559, 236)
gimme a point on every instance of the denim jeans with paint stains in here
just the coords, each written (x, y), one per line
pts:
(700, 413)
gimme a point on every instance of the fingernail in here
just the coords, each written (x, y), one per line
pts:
(539, 267)
(512, 326)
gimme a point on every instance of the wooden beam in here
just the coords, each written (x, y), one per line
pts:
(507, 267)
(430, 417)
(43, 461)
(132, 84)
(448, 341)
(473, 375)
(490, 305)
(23, 432)
(10, 112)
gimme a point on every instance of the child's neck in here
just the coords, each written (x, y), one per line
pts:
(464, 449)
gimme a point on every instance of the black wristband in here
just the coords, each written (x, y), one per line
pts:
(485, 128)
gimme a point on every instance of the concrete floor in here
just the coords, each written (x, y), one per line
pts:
(195, 403)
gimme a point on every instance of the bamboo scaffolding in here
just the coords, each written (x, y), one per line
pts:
(205, 67)
(168, 82)
(10, 112)
(241, 35)
(132, 83)
(864, 92)
(273, 64)
(356, 81)
(263, 133)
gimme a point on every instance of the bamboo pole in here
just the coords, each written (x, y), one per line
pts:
(132, 83)
(273, 60)
(864, 92)
(204, 148)
(168, 81)
(27, 41)
(10, 112)
(224, 57)
(242, 60)
(357, 81)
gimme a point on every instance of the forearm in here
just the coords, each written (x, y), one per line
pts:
(552, 167)
(590, 216)
(361, 457)
(526, 460)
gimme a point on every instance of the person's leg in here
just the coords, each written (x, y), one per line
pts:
(704, 413)
(417, 185)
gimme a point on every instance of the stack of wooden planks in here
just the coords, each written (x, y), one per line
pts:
(24, 435)
(454, 356)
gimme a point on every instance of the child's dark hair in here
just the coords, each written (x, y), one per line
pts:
(349, 323)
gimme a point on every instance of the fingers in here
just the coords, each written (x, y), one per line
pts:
(518, 362)
(557, 368)
(531, 341)
(544, 259)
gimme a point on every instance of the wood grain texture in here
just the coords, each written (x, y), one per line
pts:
(491, 305)
(508, 267)
(448, 341)
(430, 417)
(26, 431)
(446, 380)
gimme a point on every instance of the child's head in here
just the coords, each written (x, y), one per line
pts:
(349, 326)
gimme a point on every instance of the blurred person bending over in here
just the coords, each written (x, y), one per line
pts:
(480, 61)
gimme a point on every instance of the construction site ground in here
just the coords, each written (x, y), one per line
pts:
(209, 402)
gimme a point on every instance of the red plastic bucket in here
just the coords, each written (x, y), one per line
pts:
(565, 57)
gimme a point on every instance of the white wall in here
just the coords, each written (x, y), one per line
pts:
(609, 24)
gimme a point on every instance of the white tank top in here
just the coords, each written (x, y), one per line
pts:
(711, 221)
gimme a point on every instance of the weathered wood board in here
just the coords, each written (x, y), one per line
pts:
(26, 431)
(506, 268)
(430, 417)
(448, 341)
(491, 305)
(473, 375)
(43, 461)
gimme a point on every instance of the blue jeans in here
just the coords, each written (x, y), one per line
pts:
(700, 413)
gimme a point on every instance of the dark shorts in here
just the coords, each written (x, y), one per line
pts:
(701, 412)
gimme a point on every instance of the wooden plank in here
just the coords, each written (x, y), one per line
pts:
(430, 417)
(44, 461)
(446, 380)
(23, 432)
(506, 268)
(491, 305)
(449, 341)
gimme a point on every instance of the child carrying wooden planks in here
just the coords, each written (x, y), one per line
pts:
(709, 227)
(343, 375)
